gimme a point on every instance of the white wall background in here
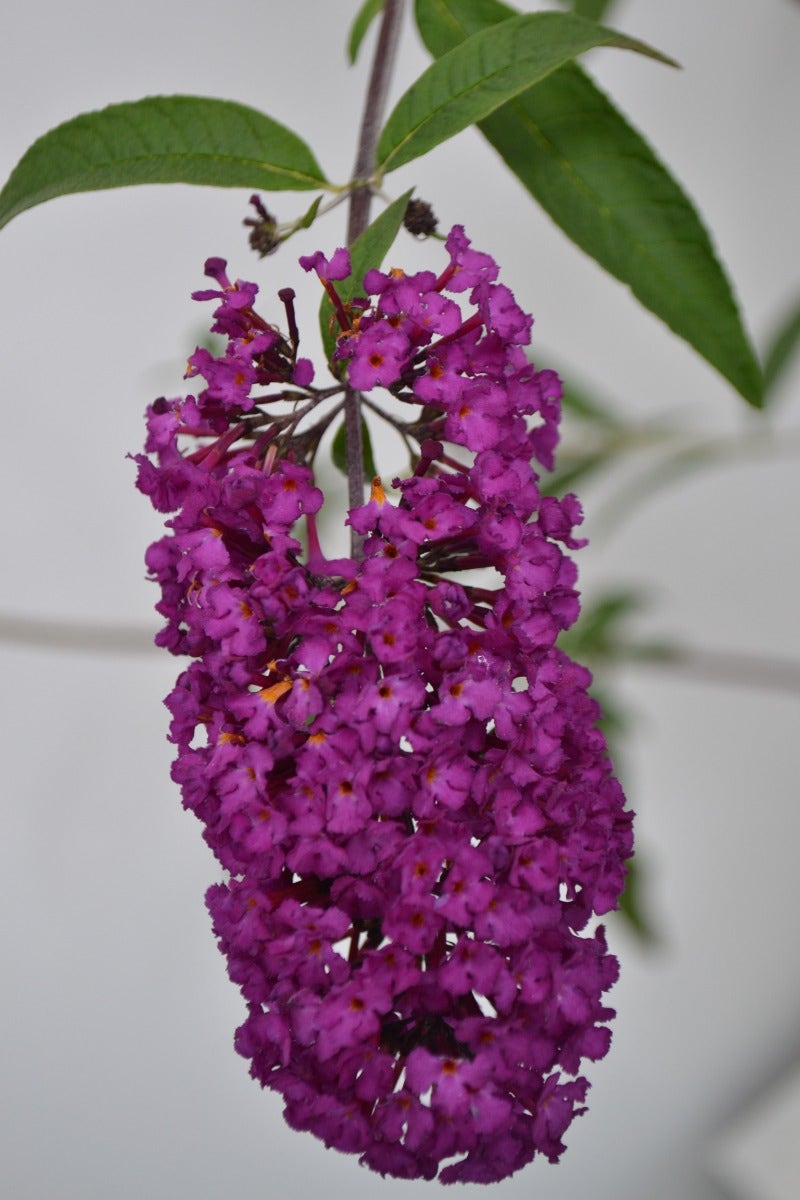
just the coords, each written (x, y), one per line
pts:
(118, 1074)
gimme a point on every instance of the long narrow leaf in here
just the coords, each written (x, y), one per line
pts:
(479, 75)
(363, 19)
(602, 184)
(161, 139)
(782, 349)
(594, 10)
(631, 907)
(339, 450)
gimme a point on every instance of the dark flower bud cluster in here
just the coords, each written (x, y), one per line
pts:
(263, 237)
(399, 771)
(420, 218)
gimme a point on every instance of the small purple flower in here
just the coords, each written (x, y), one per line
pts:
(333, 269)
(377, 356)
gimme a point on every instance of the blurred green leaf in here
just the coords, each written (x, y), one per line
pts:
(630, 904)
(339, 450)
(593, 10)
(581, 456)
(596, 641)
(569, 475)
(602, 184)
(588, 408)
(480, 74)
(309, 217)
(161, 139)
(595, 438)
(363, 19)
(600, 622)
(781, 349)
(596, 633)
(613, 721)
(683, 456)
(367, 251)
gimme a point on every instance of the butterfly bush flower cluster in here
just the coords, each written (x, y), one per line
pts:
(395, 765)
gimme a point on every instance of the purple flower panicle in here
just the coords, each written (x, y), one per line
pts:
(397, 767)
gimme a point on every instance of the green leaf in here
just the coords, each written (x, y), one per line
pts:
(600, 440)
(364, 18)
(601, 183)
(781, 349)
(596, 634)
(161, 139)
(367, 251)
(339, 450)
(599, 623)
(567, 477)
(309, 217)
(479, 75)
(587, 408)
(630, 904)
(613, 721)
(593, 10)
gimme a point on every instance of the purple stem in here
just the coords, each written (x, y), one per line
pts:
(358, 220)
